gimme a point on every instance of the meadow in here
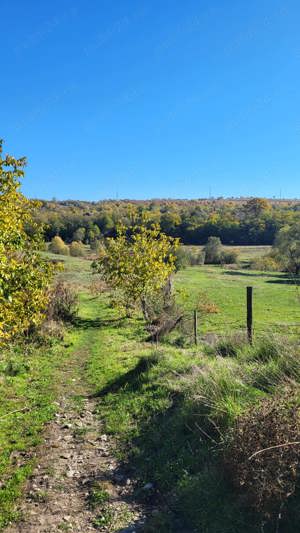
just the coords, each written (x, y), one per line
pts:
(169, 408)
(276, 294)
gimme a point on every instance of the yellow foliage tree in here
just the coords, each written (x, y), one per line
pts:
(137, 265)
(24, 275)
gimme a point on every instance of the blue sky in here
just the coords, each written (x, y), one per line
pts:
(152, 98)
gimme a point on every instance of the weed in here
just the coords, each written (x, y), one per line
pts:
(98, 497)
(104, 518)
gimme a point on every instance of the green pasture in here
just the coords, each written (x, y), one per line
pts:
(276, 298)
(245, 253)
(156, 400)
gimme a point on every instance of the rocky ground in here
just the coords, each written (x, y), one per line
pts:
(77, 484)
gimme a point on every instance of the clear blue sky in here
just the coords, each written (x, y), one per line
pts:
(152, 98)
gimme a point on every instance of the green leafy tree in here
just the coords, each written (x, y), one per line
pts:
(24, 275)
(93, 233)
(287, 247)
(213, 250)
(137, 265)
(79, 234)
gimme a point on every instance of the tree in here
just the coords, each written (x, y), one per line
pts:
(93, 233)
(79, 234)
(24, 275)
(287, 246)
(255, 208)
(213, 250)
(137, 264)
(57, 246)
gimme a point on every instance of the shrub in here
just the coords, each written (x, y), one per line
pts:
(266, 264)
(63, 303)
(48, 332)
(96, 245)
(77, 249)
(262, 458)
(57, 246)
(185, 257)
(182, 258)
(213, 250)
(197, 258)
(229, 258)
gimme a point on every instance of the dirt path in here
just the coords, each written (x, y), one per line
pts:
(77, 484)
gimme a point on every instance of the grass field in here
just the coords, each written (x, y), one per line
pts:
(160, 403)
(276, 298)
(276, 295)
(245, 253)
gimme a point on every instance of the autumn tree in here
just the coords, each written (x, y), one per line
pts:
(57, 246)
(24, 275)
(255, 208)
(77, 249)
(137, 264)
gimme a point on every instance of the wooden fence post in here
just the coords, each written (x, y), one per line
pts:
(250, 314)
(195, 327)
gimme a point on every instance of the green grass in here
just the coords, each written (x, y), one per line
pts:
(245, 253)
(169, 409)
(77, 271)
(27, 392)
(276, 298)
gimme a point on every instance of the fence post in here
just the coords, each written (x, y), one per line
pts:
(250, 314)
(195, 327)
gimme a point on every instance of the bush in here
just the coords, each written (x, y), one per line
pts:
(266, 264)
(96, 245)
(49, 332)
(261, 459)
(63, 303)
(198, 258)
(213, 251)
(182, 258)
(77, 249)
(229, 258)
(186, 257)
(57, 246)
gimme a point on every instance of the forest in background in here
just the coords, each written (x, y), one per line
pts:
(241, 221)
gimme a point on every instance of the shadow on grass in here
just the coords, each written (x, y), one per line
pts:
(86, 323)
(167, 451)
(286, 280)
(249, 274)
(132, 379)
(172, 446)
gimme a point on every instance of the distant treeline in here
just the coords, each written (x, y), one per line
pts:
(236, 221)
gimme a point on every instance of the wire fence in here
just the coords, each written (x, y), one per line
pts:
(201, 327)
